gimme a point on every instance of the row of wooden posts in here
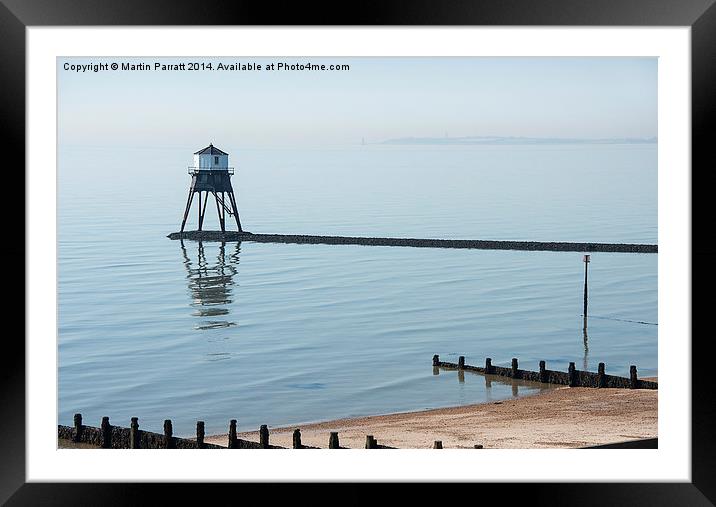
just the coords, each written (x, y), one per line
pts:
(572, 378)
(108, 437)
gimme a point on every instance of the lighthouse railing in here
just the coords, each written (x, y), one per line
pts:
(195, 170)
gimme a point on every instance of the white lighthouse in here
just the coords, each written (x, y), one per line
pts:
(211, 158)
(211, 175)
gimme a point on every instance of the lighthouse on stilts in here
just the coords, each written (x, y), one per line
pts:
(211, 174)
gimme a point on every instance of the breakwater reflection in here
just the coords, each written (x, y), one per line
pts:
(514, 383)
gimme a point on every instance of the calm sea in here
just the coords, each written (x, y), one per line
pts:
(287, 334)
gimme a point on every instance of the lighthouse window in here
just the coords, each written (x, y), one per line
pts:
(216, 160)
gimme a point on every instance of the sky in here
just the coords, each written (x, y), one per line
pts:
(377, 99)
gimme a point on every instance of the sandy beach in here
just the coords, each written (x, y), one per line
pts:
(557, 418)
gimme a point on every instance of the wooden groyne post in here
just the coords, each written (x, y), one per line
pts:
(232, 434)
(333, 442)
(264, 436)
(370, 442)
(297, 439)
(106, 433)
(572, 372)
(134, 433)
(200, 434)
(168, 432)
(77, 434)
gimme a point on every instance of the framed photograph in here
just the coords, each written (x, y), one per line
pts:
(460, 234)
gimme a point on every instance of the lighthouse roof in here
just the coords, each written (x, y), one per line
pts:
(210, 150)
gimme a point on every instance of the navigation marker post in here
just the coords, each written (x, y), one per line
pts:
(586, 264)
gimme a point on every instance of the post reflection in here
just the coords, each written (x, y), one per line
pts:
(210, 284)
(586, 349)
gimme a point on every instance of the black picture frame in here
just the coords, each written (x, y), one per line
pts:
(699, 15)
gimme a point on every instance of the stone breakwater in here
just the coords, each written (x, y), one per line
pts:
(551, 246)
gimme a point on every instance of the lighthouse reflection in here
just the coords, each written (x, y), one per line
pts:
(210, 283)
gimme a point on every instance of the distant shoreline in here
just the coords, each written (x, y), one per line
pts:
(513, 141)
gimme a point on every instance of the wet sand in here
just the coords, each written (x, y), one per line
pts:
(563, 417)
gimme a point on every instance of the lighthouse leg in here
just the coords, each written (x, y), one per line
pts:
(202, 209)
(218, 212)
(223, 214)
(186, 210)
(236, 211)
(199, 210)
